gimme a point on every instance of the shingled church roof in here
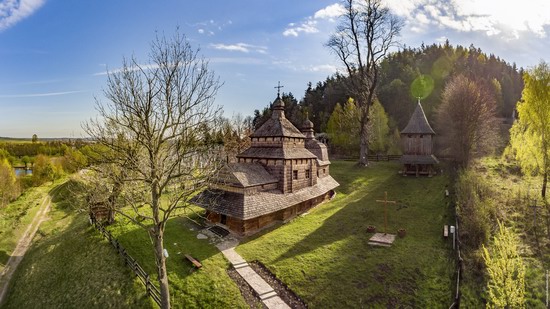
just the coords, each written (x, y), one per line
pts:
(251, 206)
(418, 124)
(245, 175)
(278, 125)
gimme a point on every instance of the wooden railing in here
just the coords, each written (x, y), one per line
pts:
(380, 157)
(151, 290)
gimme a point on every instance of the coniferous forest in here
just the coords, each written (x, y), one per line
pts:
(407, 75)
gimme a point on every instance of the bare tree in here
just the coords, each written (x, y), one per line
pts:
(466, 119)
(363, 38)
(150, 129)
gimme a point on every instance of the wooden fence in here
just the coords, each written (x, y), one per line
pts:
(151, 290)
(380, 157)
(457, 294)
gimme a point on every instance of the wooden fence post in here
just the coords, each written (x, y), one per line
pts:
(147, 283)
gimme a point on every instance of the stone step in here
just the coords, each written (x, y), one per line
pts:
(254, 280)
(268, 295)
(275, 303)
(240, 265)
(380, 244)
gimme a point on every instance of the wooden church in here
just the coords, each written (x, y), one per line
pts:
(284, 173)
(417, 141)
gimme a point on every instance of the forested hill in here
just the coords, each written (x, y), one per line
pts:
(406, 75)
(423, 72)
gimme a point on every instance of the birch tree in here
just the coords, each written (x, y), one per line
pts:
(530, 134)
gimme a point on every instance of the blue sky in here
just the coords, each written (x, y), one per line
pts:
(53, 53)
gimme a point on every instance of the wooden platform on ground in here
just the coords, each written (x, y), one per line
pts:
(381, 239)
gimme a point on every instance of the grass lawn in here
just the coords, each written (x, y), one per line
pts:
(208, 287)
(70, 266)
(324, 256)
(15, 217)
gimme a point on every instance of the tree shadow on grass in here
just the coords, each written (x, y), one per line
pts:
(4, 257)
(178, 241)
(71, 267)
(327, 256)
(68, 196)
(190, 287)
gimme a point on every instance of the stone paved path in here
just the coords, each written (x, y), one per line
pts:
(266, 293)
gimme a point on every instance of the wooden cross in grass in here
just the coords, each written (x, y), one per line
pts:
(385, 201)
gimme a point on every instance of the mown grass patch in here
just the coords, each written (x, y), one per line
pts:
(324, 256)
(15, 218)
(208, 287)
(70, 266)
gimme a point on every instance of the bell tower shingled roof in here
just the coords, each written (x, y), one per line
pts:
(418, 124)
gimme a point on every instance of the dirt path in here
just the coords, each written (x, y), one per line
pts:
(22, 246)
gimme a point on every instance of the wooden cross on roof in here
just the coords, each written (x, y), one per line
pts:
(385, 201)
(278, 88)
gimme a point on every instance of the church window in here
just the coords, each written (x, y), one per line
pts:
(308, 174)
(295, 174)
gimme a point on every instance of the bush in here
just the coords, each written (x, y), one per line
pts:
(44, 170)
(474, 210)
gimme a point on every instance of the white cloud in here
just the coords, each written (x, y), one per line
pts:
(422, 18)
(13, 11)
(133, 68)
(308, 26)
(33, 95)
(240, 47)
(323, 68)
(330, 12)
(238, 60)
(505, 18)
(441, 39)
(211, 27)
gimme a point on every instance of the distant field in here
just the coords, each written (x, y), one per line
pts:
(324, 256)
(15, 140)
(40, 139)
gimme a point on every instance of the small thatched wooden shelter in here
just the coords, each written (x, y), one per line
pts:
(284, 173)
(417, 140)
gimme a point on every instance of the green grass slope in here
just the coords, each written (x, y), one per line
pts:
(15, 217)
(324, 256)
(208, 287)
(70, 266)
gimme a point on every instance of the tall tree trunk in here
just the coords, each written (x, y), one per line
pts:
(364, 144)
(161, 269)
(544, 183)
(159, 245)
